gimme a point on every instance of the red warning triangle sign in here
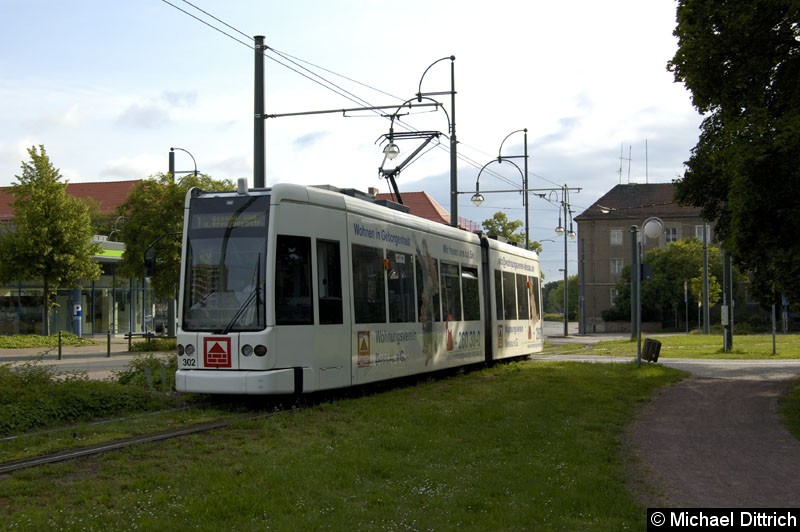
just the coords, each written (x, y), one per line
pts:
(217, 349)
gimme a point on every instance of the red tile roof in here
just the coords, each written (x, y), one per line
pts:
(422, 205)
(109, 195)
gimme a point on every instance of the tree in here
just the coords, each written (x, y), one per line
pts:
(741, 62)
(553, 294)
(500, 225)
(50, 238)
(679, 262)
(153, 215)
(669, 268)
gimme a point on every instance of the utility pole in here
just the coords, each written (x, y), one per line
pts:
(259, 172)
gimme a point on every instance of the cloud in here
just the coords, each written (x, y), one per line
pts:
(136, 167)
(310, 139)
(144, 116)
(155, 112)
(230, 168)
(180, 98)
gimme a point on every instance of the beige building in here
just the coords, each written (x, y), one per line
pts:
(605, 246)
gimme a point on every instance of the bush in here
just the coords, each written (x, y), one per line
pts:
(150, 372)
(22, 341)
(31, 398)
(155, 344)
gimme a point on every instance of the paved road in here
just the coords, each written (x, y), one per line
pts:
(97, 361)
(716, 443)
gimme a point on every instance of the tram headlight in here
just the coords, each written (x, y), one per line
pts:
(189, 349)
(180, 350)
(247, 350)
(260, 350)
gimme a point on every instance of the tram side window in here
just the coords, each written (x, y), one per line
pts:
(535, 298)
(451, 292)
(498, 293)
(427, 290)
(368, 285)
(509, 296)
(293, 281)
(329, 273)
(523, 308)
(472, 302)
(401, 288)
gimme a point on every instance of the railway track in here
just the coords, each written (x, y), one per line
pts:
(278, 405)
(71, 454)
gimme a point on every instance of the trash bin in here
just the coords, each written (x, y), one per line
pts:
(651, 350)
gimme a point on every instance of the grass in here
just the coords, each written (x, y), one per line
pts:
(516, 447)
(745, 347)
(22, 341)
(789, 408)
(57, 409)
(155, 344)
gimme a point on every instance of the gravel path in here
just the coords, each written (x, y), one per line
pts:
(717, 442)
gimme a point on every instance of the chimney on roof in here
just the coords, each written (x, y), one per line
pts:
(372, 191)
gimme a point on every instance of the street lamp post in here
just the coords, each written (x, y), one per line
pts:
(477, 199)
(453, 141)
(500, 158)
(652, 227)
(560, 230)
(172, 170)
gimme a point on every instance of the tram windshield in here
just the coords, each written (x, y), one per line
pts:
(224, 281)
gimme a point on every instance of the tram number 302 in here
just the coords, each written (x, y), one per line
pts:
(188, 362)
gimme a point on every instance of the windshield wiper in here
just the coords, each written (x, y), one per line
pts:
(250, 298)
(253, 295)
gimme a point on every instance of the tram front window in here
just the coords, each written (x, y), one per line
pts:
(224, 288)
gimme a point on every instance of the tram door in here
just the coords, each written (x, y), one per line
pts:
(332, 341)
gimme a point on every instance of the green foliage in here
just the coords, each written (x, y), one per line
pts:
(28, 341)
(52, 231)
(553, 295)
(547, 457)
(32, 398)
(500, 225)
(150, 372)
(153, 223)
(789, 408)
(679, 262)
(155, 344)
(701, 346)
(741, 62)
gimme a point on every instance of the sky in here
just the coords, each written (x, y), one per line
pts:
(109, 87)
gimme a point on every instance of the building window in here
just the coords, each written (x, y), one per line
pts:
(614, 293)
(616, 267)
(616, 237)
(670, 234)
(698, 232)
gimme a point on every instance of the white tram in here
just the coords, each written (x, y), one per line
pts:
(297, 289)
